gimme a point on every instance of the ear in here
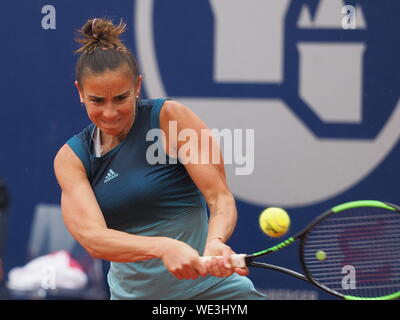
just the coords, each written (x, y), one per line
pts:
(79, 91)
(138, 86)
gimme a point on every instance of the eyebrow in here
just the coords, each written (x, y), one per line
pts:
(119, 95)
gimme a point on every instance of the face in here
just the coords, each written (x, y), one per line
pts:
(110, 98)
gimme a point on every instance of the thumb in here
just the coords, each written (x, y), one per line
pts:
(201, 267)
(227, 253)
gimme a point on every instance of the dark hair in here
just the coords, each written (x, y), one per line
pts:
(102, 49)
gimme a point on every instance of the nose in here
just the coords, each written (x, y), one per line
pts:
(109, 113)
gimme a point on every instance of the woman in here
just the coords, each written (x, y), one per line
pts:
(149, 220)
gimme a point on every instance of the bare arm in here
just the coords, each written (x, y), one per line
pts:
(209, 178)
(83, 218)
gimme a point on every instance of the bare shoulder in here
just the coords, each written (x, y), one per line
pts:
(174, 110)
(67, 165)
(65, 156)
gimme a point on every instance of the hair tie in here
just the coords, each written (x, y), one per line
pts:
(93, 23)
(94, 35)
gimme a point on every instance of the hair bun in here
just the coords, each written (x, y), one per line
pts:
(100, 33)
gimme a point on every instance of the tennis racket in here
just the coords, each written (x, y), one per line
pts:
(351, 251)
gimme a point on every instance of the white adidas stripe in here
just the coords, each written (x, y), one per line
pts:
(110, 175)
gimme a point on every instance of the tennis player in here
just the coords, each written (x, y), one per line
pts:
(149, 220)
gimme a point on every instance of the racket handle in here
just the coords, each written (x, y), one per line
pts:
(238, 260)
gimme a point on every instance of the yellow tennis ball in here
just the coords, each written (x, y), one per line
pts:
(321, 255)
(274, 222)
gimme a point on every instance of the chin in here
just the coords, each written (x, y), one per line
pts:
(111, 131)
(114, 129)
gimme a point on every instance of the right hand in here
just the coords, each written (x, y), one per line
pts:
(182, 260)
(220, 265)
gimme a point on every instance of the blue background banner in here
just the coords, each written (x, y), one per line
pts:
(323, 102)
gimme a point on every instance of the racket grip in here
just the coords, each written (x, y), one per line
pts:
(238, 260)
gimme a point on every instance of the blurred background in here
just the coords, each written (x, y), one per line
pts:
(317, 80)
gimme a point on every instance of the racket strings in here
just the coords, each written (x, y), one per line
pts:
(361, 252)
(367, 241)
(356, 250)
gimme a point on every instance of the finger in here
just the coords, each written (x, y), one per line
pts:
(184, 274)
(201, 267)
(177, 274)
(215, 268)
(227, 259)
(188, 272)
(209, 266)
(181, 273)
(194, 273)
(226, 271)
(223, 271)
(241, 271)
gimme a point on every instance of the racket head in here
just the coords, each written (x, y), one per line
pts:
(353, 251)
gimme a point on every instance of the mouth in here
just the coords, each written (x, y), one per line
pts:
(109, 124)
(113, 128)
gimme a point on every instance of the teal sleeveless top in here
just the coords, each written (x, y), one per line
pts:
(146, 199)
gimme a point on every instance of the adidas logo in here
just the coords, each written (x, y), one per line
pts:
(110, 175)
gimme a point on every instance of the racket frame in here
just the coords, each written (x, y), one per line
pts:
(302, 236)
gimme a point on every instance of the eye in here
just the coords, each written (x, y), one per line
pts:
(121, 98)
(97, 100)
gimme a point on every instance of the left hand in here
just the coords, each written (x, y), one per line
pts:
(221, 267)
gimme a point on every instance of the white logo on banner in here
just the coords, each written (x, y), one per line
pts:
(292, 167)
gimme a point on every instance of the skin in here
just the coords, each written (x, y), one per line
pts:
(109, 98)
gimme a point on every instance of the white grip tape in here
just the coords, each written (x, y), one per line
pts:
(238, 260)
